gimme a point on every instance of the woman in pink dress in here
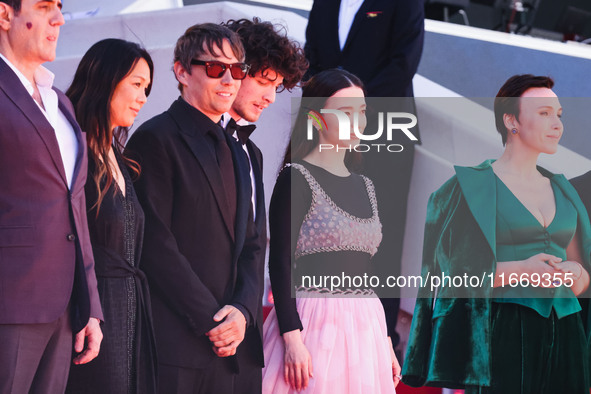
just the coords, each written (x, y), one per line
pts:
(324, 222)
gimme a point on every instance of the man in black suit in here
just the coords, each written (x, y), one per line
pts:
(276, 63)
(380, 41)
(200, 247)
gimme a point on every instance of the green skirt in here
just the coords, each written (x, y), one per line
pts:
(532, 354)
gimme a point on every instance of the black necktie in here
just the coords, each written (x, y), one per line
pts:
(226, 165)
(243, 132)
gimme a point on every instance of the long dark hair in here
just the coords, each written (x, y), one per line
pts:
(315, 92)
(101, 69)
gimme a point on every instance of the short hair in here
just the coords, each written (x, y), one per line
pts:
(507, 102)
(15, 4)
(268, 47)
(203, 37)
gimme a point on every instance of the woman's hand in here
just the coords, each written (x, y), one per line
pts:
(572, 267)
(530, 270)
(575, 276)
(540, 263)
(395, 364)
(297, 362)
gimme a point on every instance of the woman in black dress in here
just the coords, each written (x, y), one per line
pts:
(110, 86)
(324, 223)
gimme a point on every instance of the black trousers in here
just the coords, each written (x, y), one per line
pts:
(250, 377)
(218, 377)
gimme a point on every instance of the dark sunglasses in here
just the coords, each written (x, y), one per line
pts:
(215, 69)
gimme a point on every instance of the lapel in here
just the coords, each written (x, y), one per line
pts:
(79, 137)
(367, 6)
(330, 27)
(257, 165)
(15, 90)
(479, 189)
(478, 186)
(194, 126)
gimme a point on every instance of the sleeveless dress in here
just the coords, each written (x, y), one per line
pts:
(126, 363)
(538, 341)
(344, 329)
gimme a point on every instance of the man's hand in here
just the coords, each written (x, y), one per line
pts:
(229, 334)
(92, 335)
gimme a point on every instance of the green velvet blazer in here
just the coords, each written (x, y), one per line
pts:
(450, 337)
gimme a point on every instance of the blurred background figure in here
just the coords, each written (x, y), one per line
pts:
(380, 41)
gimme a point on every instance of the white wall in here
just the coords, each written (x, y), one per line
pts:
(76, 9)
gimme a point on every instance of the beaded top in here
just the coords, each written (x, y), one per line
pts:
(328, 228)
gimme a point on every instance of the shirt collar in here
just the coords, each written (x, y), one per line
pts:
(43, 77)
(225, 119)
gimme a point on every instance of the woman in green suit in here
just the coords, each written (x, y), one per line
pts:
(527, 232)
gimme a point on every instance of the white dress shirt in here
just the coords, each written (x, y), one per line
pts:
(347, 12)
(64, 132)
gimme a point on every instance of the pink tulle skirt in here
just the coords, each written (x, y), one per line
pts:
(347, 340)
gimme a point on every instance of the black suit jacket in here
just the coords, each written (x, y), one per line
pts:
(46, 258)
(583, 186)
(195, 263)
(383, 48)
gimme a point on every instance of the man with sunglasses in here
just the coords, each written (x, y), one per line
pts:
(276, 63)
(200, 242)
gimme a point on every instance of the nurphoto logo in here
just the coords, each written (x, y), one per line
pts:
(394, 122)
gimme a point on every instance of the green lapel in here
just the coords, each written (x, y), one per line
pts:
(479, 189)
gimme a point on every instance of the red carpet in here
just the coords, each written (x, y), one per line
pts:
(404, 389)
